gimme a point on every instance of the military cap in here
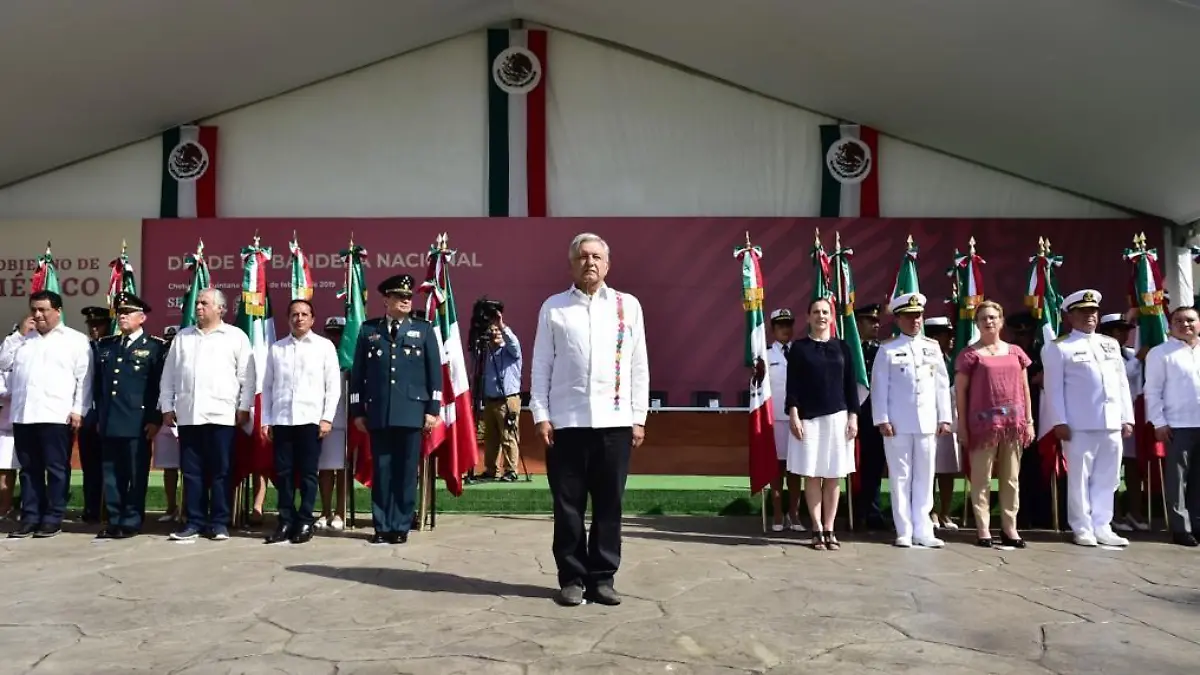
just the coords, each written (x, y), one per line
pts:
(1021, 322)
(907, 303)
(1084, 299)
(870, 311)
(128, 302)
(335, 323)
(400, 283)
(170, 331)
(937, 324)
(1114, 320)
(97, 314)
(782, 316)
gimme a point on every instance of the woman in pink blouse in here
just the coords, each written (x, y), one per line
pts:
(994, 420)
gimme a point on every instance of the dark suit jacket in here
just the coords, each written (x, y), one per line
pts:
(396, 384)
(125, 385)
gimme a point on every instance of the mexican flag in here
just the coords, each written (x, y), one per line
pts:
(906, 277)
(764, 465)
(254, 454)
(302, 281)
(198, 265)
(454, 435)
(1045, 304)
(968, 293)
(46, 276)
(850, 171)
(516, 177)
(847, 324)
(120, 280)
(354, 295)
(822, 278)
(1147, 296)
(189, 173)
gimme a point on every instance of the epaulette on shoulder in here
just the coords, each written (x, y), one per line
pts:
(1062, 337)
(159, 340)
(373, 322)
(109, 338)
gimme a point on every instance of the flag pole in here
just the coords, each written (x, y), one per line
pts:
(762, 494)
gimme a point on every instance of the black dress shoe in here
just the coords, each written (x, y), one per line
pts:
(380, 538)
(398, 538)
(281, 534)
(109, 533)
(1184, 539)
(48, 530)
(1006, 540)
(604, 595)
(302, 535)
(24, 531)
(984, 542)
(129, 532)
(570, 595)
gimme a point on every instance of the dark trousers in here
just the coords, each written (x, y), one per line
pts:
(1183, 478)
(124, 480)
(297, 449)
(588, 463)
(1036, 493)
(205, 451)
(872, 462)
(44, 451)
(395, 452)
(90, 459)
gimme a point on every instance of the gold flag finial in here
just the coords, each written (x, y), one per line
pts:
(971, 244)
(837, 240)
(910, 241)
(1048, 245)
(1041, 249)
(817, 237)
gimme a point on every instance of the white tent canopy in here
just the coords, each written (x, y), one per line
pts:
(1096, 98)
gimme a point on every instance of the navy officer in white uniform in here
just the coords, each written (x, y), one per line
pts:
(1088, 406)
(911, 392)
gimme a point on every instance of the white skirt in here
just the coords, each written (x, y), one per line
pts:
(948, 460)
(166, 450)
(8, 451)
(333, 451)
(824, 452)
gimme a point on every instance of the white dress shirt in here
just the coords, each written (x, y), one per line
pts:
(777, 364)
(303, 382)
(910, 388)
(51, 377)
(578, 378)
(1173, 385)
(208, 377)
(1086, 383)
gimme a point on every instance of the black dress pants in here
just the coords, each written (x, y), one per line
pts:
(588, 463)
(296, 451)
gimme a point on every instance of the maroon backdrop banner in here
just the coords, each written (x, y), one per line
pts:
(682, 269)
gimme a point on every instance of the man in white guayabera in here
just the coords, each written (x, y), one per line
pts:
(589, 396)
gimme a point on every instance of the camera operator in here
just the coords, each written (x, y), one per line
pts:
(500, 365)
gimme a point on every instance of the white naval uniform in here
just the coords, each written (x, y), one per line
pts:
(1133, 372)
(777, 367)
(1087, 389)
(910, 389)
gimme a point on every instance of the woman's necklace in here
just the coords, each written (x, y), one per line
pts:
(992, 349)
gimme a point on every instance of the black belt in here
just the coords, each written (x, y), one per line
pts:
(498, 399)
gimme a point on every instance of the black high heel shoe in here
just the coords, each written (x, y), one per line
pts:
(984, 542)
(1005, 540)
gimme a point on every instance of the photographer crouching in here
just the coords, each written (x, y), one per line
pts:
(498, 370)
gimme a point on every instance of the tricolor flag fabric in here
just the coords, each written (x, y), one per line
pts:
(849, 171)
(189, 173)
(302, 281)
(823, 277)
(516, 178)
(254, 317)
(847, 324)
(906, 277)
(1045, 304)
(968, 285)
(120, 280)
(354, 295)
(198, 266)
(454, 436)
(1147, 296)
(45, 278)
(763, 462)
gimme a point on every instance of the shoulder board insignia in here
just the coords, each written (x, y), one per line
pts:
(109, 338)
(1062, 337)
(155, 338)
(372, 322)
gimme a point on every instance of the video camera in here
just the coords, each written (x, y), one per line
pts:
(484, 313)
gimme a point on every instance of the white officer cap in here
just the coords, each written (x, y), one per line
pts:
(907, 303)
(335, 322)
(1082, 299)
(1109, 319)
(782, 315)
(937, 321)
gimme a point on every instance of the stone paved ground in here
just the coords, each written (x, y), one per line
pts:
(703, 596)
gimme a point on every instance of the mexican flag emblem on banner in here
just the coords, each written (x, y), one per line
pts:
(189, 173)
(850, 171)
(255, 456)
(517, 160)
(764, 464)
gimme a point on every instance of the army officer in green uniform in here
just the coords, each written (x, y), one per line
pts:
(125, 395)
(395, 395)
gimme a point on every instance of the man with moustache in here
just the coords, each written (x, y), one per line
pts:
(128, 372)
(207, 389)
(395, 395)
(51, 388)
(301, 389)
(589, 396)
(1089, 409)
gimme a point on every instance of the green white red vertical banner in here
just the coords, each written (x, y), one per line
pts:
(254, 317)
(823, 276)
(120, 280)
(1147, 295)
(847, 324)
(906, 277)
(189, 172)
(198, 266)
(354, 295)
(45, 278)
(516, 161)
(763, 462)
(849, 171)
(968, 293)
(454, 438)
(302, 281)
(1044, 300)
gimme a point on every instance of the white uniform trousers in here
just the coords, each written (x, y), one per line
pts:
(1093, 475)
(911, 459)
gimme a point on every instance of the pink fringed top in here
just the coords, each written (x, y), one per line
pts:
(997, 411)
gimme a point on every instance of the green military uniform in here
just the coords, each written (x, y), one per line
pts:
(125, 397)
(395, 382)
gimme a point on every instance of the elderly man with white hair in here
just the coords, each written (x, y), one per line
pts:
(207, 389)
(589, 396)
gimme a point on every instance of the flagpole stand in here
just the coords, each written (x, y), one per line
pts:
(1162, 489)
(1054, 497)
(352, 513)
(850, 503)
(424, 490)
(762, 498)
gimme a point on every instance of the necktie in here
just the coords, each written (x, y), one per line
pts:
(394, 330)
(786, 349)
(125, 343)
